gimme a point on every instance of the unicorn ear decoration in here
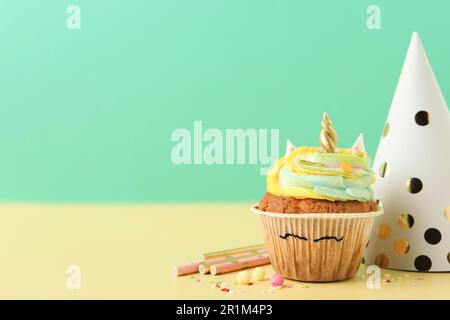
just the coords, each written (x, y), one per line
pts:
(289, 148)
(358, 146)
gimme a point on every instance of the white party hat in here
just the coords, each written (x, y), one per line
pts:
(412, 166)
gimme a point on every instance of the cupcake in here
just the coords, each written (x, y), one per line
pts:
(318, 210)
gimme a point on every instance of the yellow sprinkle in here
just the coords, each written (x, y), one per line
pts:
(243, 277)
(258, 274)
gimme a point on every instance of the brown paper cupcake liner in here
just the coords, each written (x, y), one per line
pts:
(317, 247)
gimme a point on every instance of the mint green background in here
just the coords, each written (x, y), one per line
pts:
(86, 116)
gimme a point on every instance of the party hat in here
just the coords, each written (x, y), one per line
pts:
(413, 174)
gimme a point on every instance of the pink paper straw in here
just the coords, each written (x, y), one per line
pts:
(185, 269)
(244, 263)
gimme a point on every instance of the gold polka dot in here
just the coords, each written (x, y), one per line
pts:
(447, 213)
(422, 118)
(383, 231)
(401, 247)
(386, 129)
(405, 221)
(385, 169)
(414, 185)
(382, 260)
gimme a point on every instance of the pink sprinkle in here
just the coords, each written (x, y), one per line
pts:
(276, 280)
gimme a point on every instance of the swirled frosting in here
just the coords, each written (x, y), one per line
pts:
(307, 172)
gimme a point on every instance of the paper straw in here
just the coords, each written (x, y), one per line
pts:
(224, 253)
(185, 269)
(204, 267)
(218, 257)
(241, 264)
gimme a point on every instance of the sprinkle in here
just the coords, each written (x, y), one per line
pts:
(192, 277)
(243, 277)
(217, 285)
(277, 288)
(198, 280)
(276, 280)
(258, 274)
(250, 283)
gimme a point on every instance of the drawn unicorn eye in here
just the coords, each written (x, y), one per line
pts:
(329, 238)
(287, 235)
(295, 236)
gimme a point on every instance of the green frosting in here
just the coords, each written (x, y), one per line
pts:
(332, 186)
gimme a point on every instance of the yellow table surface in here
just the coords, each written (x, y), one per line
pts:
(128, 251)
